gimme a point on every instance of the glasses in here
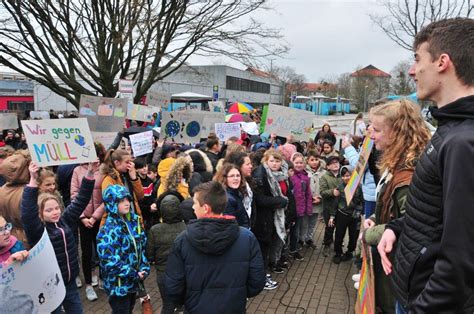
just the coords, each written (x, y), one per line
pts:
(4, 230)
(237, 176)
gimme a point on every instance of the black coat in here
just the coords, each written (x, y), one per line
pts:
(235, 207)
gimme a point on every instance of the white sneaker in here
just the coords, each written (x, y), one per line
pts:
(270, 284)
(101, 284)
(356, 285)
(356, 277)
(95, 281)
(78, 282)
(90, 294)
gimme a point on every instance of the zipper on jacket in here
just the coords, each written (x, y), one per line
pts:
(65, 250)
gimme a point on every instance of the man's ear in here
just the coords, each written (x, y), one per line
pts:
(444, 62)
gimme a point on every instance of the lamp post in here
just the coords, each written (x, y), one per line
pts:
(365, 98)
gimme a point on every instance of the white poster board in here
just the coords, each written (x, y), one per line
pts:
(105, 138)
(286, 121)
(158, 99)
(224, 131)
(103, 114)
(59, 141)
(209, 121)
(141, 113)
(181, 126)
(250, 128)
(38, 277)
(43, 115)
(142, 143)
(126, 89)
(216, 106)
(8, 120)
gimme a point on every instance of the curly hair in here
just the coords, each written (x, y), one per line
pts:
(221, 177)
(182, 168)
(409, 134)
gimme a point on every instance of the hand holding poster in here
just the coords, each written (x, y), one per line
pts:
(358, 172)
(37, 279)
(224, 131)
(103, 114)
(8, 121)
(285, 121)
(59, 141)
(182, 126)
(142, 143)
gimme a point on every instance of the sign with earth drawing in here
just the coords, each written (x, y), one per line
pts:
(181, 126)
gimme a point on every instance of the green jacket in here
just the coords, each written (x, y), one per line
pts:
(327, 184)
(354, 208)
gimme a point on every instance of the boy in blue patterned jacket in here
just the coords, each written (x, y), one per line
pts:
(121, 243)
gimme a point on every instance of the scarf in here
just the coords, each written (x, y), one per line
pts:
(247, 201)
(399, 178)
(274, 177)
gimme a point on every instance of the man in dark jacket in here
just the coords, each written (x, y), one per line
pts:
(433, 266)
(214, 265)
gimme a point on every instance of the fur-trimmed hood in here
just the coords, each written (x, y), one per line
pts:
(201, 162)
(15, 168)
(181, 169)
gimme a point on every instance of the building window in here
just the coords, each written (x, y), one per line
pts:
(20, 105)
(235, 83)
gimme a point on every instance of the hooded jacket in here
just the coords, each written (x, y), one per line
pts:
(314, 176)
(368, 183)
(95, 208)
(176, 177)
(12, 247)
(121, 243)
(235, 207)
(202, 168)
(302, 193)
(214, 266)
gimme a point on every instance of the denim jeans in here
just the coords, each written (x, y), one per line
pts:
(369, 208)
(308, 226)
(294, 234)
(123, 305)
(72, 301)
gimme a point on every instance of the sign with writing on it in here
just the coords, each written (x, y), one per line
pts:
(8, 121)
(142, 143)
(358, 172)
(216, 106)
(105, 138)
(37, 280)
(250, 128)
(59, 141)
(181, 126)
(285, 121)
(209, 121)
(158, 99)
(42, 115)
(224, 131)
(141, 113)
(103, 114)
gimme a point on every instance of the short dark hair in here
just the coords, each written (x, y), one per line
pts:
(454, 37)
(345, 170)
(313, 153)
(211, 142)
(152, 168)
(213, 194)
(140, 163)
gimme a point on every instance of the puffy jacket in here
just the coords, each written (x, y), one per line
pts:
(214, 266)
(177, 175)
(121, 243)
(235, 207)
(314, 176)
(95, 208)
(368, 183)
(327, 184)
(60, 233)
(433, 265)
(302, 193)
(202, 168)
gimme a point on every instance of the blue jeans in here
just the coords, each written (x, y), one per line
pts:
(399, 309)
(369, 208)
(308, 227)
(123, 305)
(72, 300)
(294, 234)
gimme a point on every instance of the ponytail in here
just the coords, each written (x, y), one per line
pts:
(108, 167)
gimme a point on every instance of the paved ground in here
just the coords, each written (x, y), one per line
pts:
(315, 285)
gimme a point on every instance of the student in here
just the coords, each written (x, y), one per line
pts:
(328, 150)
(40, 211)
(121, 245)
(10, 248)
(150, 215)
(214, 265)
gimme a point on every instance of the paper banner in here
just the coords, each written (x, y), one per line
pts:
(250, 128)
(286, 121)
(105, 138)
(37, 279)
(216, 106)
(182, 126)
(158, 99)
(358, 172)
(141, 113)
(209, 121)
(59, 141)
(103, 114)
(365, 302)
(8, 121)
(43, 115)
(142, 143)
(224, 131)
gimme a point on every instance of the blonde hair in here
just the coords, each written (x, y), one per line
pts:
(44, 173)
(108, 167)
(272, 153)
(43, 198)
(409, 134)
(233, 148)
(297, 155)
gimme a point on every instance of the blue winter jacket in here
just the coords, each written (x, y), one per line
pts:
(368, 183)
(235, 207)
(121, 244)
(214, 266)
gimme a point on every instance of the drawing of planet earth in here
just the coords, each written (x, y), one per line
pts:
(193, 128)
(172, 128)
(79, 139)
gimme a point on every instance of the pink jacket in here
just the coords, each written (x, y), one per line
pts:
(96, 205)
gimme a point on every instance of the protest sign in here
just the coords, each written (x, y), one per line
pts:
(209, 121)
(103, 114)
(250, 128)
(365, 302)
(158, 99)
(358, 172)
(8, 121)
(224, 131)
(43, 115)
(126, 89)
(142, 143)
(37, 279)
(181, 126)
(285, 121)
(59, 141)
(216, 106)
(141, 113)
(105, 138)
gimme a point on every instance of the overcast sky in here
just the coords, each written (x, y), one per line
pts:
(329, 37)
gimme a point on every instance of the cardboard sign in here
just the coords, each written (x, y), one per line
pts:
(216, 106)
(59, 141)
(224, 131)
(142, 143)
(209, 121)
(103, 114)
(42, 115)
(194, 106)
(8, 121)
(365, 302)
(182, 126)
(141, 113)
(250, 128)
(286, 121)
(358, 172)
(158, 99)
(37, 280)
(105, 138)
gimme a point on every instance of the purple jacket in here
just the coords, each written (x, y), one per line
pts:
(302, 193)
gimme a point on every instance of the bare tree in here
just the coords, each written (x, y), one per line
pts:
(294, 82)
(405, 18)
(400, 82)
(83, 47)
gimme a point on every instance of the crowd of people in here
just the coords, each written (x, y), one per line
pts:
(216, 220)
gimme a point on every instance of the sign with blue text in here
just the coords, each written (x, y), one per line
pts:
(284, 121)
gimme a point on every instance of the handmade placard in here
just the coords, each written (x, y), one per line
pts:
(358, 172)
(216, 106)
(181, 126)
(158, 99)
(141, 113)
(8, 120)
(285, 121)
(224, 131)
(209, 121)
(103, 114)
(142, 143)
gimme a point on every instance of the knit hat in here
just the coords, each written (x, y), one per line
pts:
(287, 150)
